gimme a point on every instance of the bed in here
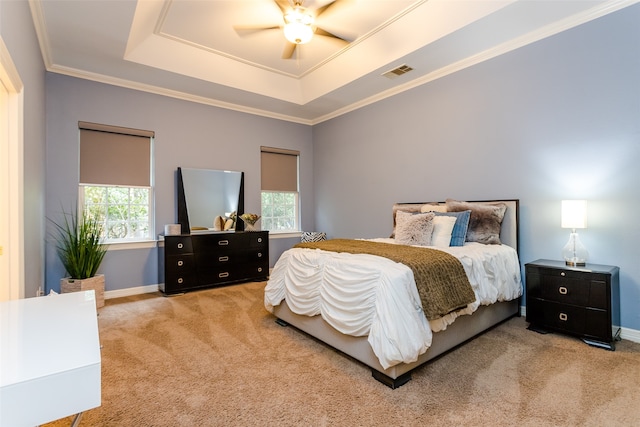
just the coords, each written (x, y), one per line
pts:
(369, 307)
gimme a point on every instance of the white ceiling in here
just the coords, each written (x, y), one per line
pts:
(189, 49)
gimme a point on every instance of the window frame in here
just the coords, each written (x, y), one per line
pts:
(82, 206)
(116, 180)
(277, 177)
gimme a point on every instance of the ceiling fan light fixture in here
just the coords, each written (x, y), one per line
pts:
(298, 26)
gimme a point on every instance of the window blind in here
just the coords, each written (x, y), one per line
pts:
(111, 155)
(279, 169)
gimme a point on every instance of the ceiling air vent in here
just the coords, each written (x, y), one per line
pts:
(396, 72)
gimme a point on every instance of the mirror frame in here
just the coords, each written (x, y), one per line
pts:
(183, 211)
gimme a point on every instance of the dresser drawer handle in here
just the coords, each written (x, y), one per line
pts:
(180, 263)
(562, 290)
(563, 274)
(180, 246)
(180, 280)
(225, 274)
(259, 269)
(259, 239)
(259, 254)
(223, 258)
(223, 242)
(563, 317)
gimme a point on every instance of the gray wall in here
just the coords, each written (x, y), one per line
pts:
(187, 135)
(559, 119)
(18, 34)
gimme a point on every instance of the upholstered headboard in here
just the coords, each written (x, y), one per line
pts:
(509, 234)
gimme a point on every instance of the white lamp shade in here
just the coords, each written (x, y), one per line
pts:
(574, 214)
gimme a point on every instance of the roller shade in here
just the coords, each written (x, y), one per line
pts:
(279, 169)
(111, 155)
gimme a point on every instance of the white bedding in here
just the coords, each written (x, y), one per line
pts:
(367, 295)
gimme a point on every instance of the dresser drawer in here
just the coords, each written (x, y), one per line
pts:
(176, 245)
(230, 242)
(179, 264)
(179, 281)
(211, 259)
(232, 273)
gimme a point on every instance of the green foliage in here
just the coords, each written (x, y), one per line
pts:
(79, 246)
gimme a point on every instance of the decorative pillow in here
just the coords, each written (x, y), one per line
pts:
(442, 229)
(485, 220)
(433, 207)
(414, 229)
(404, 207)
(459, 233)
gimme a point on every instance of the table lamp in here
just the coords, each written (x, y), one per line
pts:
(574, 215)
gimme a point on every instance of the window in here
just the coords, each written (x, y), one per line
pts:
(115, 180)
(279, 178)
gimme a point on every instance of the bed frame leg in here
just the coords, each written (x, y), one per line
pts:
(281, 322)
(391, 382)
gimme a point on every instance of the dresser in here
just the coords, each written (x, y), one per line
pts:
(192, 261)
(581, 301)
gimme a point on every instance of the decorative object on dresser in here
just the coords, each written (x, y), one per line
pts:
(189, 262)
(574, 215)
(250, 220)
(581, 301)
(80, 249)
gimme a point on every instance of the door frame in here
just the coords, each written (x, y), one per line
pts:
(11, 179)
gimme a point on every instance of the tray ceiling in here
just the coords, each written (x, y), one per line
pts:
(194, 50)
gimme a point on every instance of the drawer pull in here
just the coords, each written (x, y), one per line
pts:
(225, 274)
(563, 274)
(563, 317)
(562, 290)
(180, 263)
(259, 269)
(223, 242)
(180, 280)
(259, 254)
(259, 239)
(180, 246)
(223, 258)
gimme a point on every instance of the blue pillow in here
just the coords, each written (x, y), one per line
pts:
(459, 233)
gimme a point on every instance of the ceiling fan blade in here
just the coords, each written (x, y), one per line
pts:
(320, 32)
(332, 4)
(244, 30)
(289, 48)
(284, 5)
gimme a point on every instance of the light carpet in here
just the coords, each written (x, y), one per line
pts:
(217, 358)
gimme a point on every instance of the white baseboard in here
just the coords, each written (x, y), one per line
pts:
(118, 293)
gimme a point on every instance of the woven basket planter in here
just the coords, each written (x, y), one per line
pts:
(76, 285)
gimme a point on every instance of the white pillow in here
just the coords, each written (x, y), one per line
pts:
(442, 229)
(433, 208)
(414, 229)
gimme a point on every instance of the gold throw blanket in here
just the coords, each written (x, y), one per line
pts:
(442, 284)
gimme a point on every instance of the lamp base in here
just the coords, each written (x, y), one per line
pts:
(572, 263)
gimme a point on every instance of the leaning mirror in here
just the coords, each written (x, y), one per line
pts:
(205, 194)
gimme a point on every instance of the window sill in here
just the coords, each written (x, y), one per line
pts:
(138, 244)
(284, 234)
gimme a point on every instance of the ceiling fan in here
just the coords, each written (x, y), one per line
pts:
(298, 25)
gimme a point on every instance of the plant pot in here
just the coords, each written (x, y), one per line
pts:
(75, 285)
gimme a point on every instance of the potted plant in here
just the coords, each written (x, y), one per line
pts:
(79, 247)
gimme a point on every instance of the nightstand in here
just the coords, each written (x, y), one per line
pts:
(581, 301)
